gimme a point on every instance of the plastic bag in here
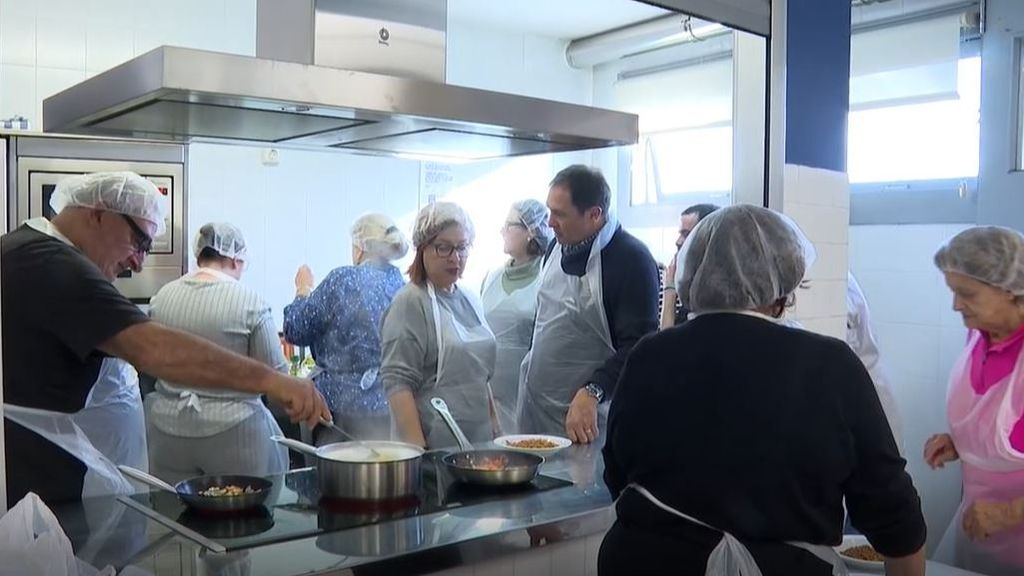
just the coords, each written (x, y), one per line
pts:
(32, 542)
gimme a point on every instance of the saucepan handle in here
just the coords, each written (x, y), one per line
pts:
(295, 445)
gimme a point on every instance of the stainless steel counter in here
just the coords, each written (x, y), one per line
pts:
(572, 519)
(104, 531)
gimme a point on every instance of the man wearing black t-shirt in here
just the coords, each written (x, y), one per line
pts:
(64, 326)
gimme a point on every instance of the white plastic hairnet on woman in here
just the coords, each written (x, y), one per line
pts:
(534, 215)
(433, 218)
(223, 238)
(121, 192)
(741, 257)
(990, 254)
(377, 235)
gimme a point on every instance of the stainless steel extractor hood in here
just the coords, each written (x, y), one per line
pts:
(183, 94)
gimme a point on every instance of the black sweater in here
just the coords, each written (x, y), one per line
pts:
(759, 430)
(629, 281)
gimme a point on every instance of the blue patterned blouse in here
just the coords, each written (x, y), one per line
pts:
(340, 322)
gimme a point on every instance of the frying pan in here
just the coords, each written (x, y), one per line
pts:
(190, 491)
(485, 467)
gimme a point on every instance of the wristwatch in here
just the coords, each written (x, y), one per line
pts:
(596, 391)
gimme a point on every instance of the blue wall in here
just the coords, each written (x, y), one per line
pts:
(817, 82)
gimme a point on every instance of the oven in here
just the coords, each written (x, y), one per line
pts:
(37, 163)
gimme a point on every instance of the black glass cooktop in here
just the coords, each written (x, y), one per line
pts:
(295, 509)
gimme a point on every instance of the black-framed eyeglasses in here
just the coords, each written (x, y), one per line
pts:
(446, 250)
(143, 242)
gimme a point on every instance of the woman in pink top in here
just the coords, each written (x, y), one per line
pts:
(984, 267)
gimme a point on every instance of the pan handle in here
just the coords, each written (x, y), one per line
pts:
(442, 409)
(146, 478)
(295, 445)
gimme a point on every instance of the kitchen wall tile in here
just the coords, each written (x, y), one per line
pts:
(50, 81)
(240, 27)
(831, 262)
(908, 297)
(60, 43)
(148, 37)
(74, 10)
(18, 92)
(20, 7)
(834, 326)
(18, 39)
(822, 187)
(825, 298)
(107, 45)
(113, 12)
(919, 349)
(791, 183)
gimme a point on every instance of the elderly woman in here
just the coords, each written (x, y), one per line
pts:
(984, 267)
(435, 340)
(196, 431)
(340, 322)
(510, 301)
(733, 438)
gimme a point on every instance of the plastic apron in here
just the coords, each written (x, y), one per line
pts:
(992, 469)
(571, 339)
(123, 441)
(510, 317)
(862, 341)
(730, 557)
(465, 363)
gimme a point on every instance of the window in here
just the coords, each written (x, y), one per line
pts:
(685, 151)
(914, 139)
(675, 166)
(933, 140)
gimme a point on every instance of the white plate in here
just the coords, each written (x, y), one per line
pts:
(851, 540)
(505, 442)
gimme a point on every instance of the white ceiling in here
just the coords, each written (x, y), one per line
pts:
(567, 19)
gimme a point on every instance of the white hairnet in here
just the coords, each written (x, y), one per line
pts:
(741, 257)
(122, 192)
(223, 238)
(435, 217)
(990, 254)
(377, 235)
(534, 215)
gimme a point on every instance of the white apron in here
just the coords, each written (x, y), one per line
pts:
(465, 363)
(571, 339)
(992, 469)
(510, 317)
(730, 557)
(862, 341)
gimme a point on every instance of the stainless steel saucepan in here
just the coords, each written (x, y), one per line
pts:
(485, 467)
(365, 470)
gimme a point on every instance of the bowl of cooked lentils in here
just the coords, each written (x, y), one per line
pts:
(858, 553)
(539, 444)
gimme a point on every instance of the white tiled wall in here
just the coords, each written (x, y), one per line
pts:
(819, 201)
(919, 337)
(494, 59)
(49, 45)
(300, 211)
